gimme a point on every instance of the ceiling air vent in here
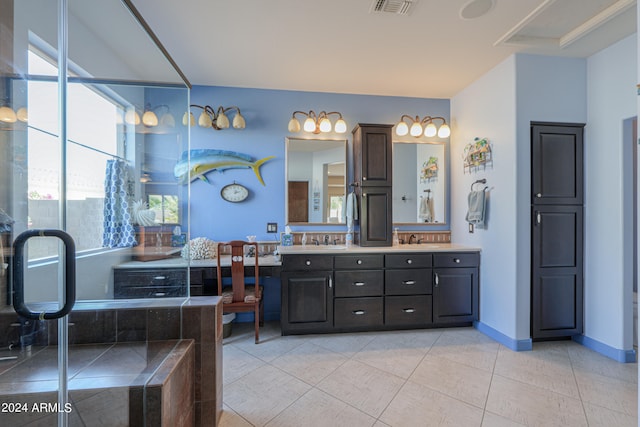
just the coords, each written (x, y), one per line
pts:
(398, 7)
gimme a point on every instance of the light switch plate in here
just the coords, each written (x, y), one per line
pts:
(272, 227)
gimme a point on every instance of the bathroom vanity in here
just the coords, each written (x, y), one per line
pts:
(333, 289)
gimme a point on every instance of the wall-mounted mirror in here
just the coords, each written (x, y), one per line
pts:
(316, 180)
(419, 183)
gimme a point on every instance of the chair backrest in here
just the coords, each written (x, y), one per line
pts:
(237, 268)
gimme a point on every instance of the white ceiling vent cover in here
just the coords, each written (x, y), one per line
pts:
(398, 7)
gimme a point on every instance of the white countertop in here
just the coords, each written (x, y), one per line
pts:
(178, 262)
(341, 249)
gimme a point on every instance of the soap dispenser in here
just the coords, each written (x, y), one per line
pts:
(304, 239)
(396, 239)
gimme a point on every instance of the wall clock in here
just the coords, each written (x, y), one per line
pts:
(234, 193)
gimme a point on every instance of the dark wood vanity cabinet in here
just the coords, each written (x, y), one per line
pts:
(372, 157)
(149, 283)
(357, 292)
(455, 288)
(306, 294)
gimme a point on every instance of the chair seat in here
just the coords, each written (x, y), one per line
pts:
(249, 294)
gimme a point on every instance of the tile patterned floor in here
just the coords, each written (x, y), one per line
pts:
(452, 377)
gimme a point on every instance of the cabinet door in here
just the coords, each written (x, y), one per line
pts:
(557, 272)
(307, 302)
(375, 219)
(557, 164)
(455, 295)
(372, 155)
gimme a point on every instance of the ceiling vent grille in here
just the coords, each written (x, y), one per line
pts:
(398, 7)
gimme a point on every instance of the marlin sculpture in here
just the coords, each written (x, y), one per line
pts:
(204, 161)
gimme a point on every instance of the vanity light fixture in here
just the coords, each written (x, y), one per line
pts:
(7, 115)
(415, 128)
(214, 118)
(316, 123)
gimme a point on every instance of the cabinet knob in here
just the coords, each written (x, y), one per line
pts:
(308, 262)
(409, 261)
(539, 195)
(456, 260)
(364, 178)
(359, 262)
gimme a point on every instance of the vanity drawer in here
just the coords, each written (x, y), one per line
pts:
(359, 283)
(149, 283)
(358, 312)
(462, 259)
(353, 262)
(412, 310)
(408, 282)
(408, 260)
(307, 262)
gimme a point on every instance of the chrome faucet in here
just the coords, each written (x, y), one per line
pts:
(326, 239)
(411, 238)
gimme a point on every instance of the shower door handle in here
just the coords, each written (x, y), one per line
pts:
(18, 274)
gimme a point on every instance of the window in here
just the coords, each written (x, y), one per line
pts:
(165, 207)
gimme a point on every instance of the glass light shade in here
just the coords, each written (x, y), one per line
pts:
(239, 122)
(7, 115)
(444, 131)
(430, 130)
(402, 129)
(204, 120)
(22, 114)
(149, 118)
(341, 126)
(416, 129)
(132, 117)
(309, 125)
(223, 121)
(294, 125)
(168, 120)
(325, 125)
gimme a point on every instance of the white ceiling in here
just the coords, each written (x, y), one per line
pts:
(340, 46)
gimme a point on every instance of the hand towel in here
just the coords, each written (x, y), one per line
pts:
(426, 209)
(477, 206)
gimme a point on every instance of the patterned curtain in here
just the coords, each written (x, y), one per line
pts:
(118, 230)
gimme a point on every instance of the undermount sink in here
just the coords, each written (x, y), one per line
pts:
(331, 247)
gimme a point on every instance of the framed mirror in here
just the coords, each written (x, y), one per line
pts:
(419, 183)
(316, 181)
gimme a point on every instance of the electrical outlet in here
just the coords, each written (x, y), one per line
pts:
(272, 227)
(470, 228)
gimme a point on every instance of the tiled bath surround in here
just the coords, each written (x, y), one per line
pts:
(117, 348)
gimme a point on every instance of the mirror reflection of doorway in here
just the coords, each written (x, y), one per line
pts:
(298, 201)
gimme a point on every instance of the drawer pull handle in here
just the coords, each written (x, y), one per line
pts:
(359, 262)
(437, 280)
(456, 260)
(330, 282)
(308, 262)
(408, 310)
(409, 282)
(160, 294)
(358, 283)
(159, 277)
(409, 261)
(359, 312)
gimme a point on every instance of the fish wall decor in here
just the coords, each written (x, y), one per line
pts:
(204, 161)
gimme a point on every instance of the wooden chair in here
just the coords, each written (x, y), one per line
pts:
(240, 296)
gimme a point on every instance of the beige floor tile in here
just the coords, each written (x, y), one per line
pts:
(602, 417)
(416, 405)
(547, 366)
(318, 409)
(588, 360)
(270, 349)
(381, 424)
(347, 344)
(237, 363)
(531, 405)
(362, 386)
(230, 418)
(608, 392)
(260, 397)
(468, 347)
(309, 362)
(493, 420)
(462, 382)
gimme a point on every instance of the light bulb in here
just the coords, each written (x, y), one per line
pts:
(444, 131)
(132, 117)
(325, 125)
(22, 114)
(402, 129)
(309, 125)
(7, 115)
(168, 120)
(294, 125)
(204, 120)
(430, 130)
(416, 129)
(149, 118)
(341, 126)
(222, 121)
(239, 122)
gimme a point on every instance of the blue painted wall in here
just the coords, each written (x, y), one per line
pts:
(267, 113)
